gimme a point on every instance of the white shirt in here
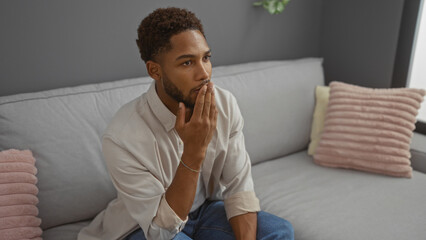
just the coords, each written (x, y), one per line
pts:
(200, 195)
(142, 151)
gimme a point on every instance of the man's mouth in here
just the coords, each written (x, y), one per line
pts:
(196, 90)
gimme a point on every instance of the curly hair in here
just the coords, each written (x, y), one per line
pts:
(157, 28)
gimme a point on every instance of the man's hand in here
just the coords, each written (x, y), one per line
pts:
(197, 133)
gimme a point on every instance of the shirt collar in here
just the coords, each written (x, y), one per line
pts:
(160, 110)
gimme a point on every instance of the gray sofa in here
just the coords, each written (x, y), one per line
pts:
(63, 128)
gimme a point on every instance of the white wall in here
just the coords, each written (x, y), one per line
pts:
(417, 74)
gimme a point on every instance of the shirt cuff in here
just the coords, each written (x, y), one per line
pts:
(167, 218)
(241, 203)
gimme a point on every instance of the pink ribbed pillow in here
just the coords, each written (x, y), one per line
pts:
(369, 129)
(18, 196)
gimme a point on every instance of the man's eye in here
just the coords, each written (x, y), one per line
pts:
(186, 63)
(208, 56)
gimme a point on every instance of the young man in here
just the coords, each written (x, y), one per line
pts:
(176, 154)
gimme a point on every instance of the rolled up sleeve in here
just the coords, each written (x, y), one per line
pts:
(239, 196)
(143, 193)
(167, 218)
(241, 203)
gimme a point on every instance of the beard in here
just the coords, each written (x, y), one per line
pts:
(174, 92)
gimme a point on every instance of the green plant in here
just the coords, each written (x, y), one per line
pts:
(273, 6)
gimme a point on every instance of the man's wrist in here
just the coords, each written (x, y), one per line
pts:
(189, 168)
(193, 160)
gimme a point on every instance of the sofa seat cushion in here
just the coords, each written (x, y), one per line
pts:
(64, 232)
(334, 204)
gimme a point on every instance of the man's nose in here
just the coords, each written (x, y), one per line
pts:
(203, 71)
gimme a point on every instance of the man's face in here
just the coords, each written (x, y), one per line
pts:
(185, 68)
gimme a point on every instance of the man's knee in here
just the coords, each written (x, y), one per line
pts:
(286, 228)
(273, 227)
(216, 211)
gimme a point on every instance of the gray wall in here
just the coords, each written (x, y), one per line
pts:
(59, 43)
(359, 40)
(405, 43)
(47, 44)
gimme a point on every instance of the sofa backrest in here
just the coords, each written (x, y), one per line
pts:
(277, 103)
(62, 127)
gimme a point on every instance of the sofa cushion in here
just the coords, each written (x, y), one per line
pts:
(62, 127)
(369, 129)
(330, 204)
(277, 104)
(322, 94)
(417, 146)
(64, 232)
(18, 196)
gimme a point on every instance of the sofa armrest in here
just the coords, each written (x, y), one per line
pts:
(418, 152)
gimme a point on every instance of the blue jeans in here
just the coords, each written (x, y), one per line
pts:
(209, 222)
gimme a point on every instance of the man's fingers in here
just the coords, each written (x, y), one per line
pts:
(180, 117)
(213, 122)
(199, 103)
(215, 118)
(216, 112)
(208, 100)
(212, 106)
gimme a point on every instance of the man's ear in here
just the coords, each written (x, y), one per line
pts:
(154, 70)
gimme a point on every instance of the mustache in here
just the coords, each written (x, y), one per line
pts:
(205, 82)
